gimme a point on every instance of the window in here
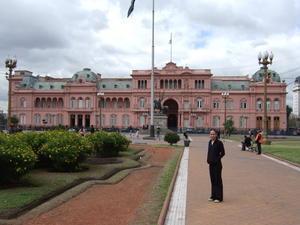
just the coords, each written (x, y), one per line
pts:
(127, 86)
(80, 103)
(22, 102)
(103, 86)
(22, 119)
(142, 102)
(186, 104)
(199, 103)
(115, 86)
(216, 104)
(268, 104)
(216, 121)
(186, 123)
(259, 104)
(73, 103)
(276, 105)
(243, 122)
(243, 104)
(125, 121)
(87, 103)
(142, 121)
(113, 120)
(127, 103)
(199, 122)
(37, 119)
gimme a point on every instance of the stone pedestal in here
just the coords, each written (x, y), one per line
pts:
(160, 120)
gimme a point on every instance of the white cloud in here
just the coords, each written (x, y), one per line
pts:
(60, 37)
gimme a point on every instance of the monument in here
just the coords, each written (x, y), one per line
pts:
(160, 118)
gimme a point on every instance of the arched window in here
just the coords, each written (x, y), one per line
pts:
(73, 103)
(229, 104)
(54, 103)
(114, 103)
(49, 102)
(127, 103)
(22, 102)
(276, 104)
(243, 122)
(43, 103)
(259, 104)
(37, 103)
(268, 104)
(161, 84)
(87, 103)
(80, 102)
(60, 103)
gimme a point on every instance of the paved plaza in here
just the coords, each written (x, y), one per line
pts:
(257, 190)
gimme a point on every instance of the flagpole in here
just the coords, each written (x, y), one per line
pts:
(152, 79)
(171, 43)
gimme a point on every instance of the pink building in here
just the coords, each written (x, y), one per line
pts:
(193, 96)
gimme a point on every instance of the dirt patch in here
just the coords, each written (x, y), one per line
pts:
(110, 204)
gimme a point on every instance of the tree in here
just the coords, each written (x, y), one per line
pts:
(289, 110)
(229, 128)
(14, 121)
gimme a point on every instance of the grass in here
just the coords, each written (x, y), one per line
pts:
(151, 210)
(39, 183)
(286, 148)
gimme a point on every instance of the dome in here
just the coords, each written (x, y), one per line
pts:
(85, 75)
(259, 75)
(297, 80)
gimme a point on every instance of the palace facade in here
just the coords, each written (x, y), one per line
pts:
(193, 98)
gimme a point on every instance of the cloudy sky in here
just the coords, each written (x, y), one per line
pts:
(60, 37)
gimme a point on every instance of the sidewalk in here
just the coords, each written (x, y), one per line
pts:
(257, 190)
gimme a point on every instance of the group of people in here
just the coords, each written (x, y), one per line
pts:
(247, 142)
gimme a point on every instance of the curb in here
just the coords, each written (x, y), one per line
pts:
(164, 210)
(281, 159)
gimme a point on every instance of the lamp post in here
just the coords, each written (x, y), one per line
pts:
(99, 94)
(225, 95)
(10, 64)
(265, 60)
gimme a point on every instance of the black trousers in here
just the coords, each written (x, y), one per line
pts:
(258, 148)
(215, 172)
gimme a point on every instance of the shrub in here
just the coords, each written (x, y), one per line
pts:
(108, 144)
(16, 159)
(65, 150)
(171, 138)
(122, 142)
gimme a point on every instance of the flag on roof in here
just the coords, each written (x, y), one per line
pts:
(131, 8)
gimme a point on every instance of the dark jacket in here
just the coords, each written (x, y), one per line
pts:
(215, 151)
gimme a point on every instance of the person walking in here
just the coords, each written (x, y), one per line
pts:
(215, 152)
(258, 141)
(158, 133)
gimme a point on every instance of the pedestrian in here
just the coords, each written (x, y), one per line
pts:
(215, 153)
(187, 140)
(258, 141)
(92, 129)
(158, 133)
(81, 131)
(137, 134)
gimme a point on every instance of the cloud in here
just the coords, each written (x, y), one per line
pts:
(60, 37)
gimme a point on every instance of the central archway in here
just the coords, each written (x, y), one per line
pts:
(172, 113)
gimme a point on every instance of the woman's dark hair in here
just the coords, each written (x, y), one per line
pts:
(185, 135)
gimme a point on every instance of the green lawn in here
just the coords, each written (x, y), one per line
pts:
(39, 183)
(287, 148)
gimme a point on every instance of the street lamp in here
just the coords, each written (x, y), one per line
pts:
(265, 60)
(10, 64)
(99, 94)
(225, 95)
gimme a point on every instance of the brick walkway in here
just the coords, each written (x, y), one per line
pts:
(257, 190)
